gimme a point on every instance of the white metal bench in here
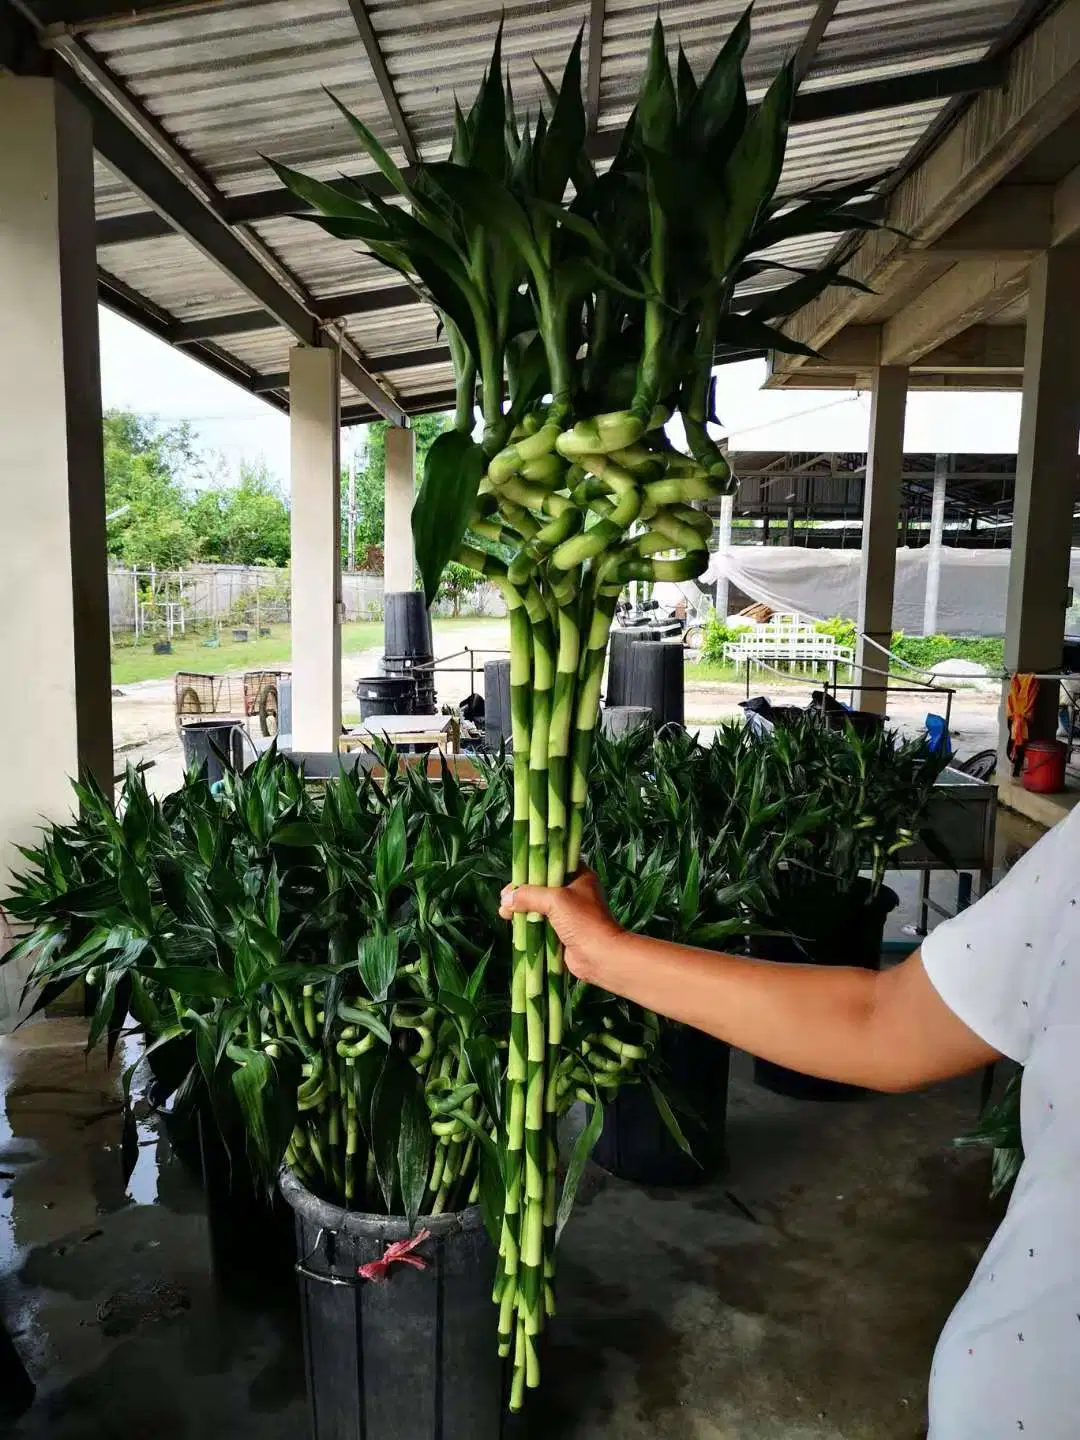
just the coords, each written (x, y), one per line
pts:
(790, 638)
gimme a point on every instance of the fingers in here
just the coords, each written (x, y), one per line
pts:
(522, 899)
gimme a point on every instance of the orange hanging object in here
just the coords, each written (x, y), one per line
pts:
(1019, 708)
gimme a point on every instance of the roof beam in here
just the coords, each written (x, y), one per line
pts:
(381, 72)
(967, 294)
(597, 15)
(426, 404)
(810, 106)
(115, 295)
(1012, 221)
(87, 14)
(331, 307)
(815, 33)
(996, 348)
(993, 135)
(381, 364)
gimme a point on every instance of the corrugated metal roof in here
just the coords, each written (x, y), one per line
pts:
(228, 82)
(868, 39)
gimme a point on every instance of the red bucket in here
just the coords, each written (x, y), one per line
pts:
(1044, 767)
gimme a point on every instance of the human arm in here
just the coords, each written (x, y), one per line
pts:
(888, 1031)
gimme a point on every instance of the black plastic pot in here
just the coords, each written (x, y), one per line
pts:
(386, 695)
(413, 1358)
(636, 1145)
(836, 928)
(208, 741)
(498, 723)
(250, 1230)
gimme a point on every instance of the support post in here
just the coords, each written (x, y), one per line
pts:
(54, 599)
(1045, 483)
(723, 585)
(881, 513)
(933, 552)
(399, 566)
(315, 426)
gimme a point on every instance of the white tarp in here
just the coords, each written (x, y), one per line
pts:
(823, 583)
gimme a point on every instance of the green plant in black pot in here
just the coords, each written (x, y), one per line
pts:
(865, 798)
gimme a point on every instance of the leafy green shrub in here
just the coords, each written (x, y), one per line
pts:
(926, 651)
(717, 635)
(842, 631)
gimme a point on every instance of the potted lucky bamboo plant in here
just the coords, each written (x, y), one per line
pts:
(582, 311)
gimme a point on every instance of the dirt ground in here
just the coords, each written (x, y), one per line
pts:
(145, 730)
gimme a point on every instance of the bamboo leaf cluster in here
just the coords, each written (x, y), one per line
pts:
(583, 310)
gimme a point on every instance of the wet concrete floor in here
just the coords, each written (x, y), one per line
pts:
(797, 1298)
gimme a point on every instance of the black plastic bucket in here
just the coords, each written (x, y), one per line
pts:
(619, 659)
(655, 681)
(407, 624)
(250, 1239)
(386, 695)
(206, 741)
(834, 931)
(413, 1358)
(498, 724)
(636, 1145)
(624, 719)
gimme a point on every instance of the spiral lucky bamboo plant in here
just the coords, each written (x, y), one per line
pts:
(582, 310)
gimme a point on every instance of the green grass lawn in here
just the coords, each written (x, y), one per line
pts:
(138, 662)
(131, 663)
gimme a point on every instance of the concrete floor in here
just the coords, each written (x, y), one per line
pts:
(797, 1298)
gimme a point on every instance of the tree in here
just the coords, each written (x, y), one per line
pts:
(244, 524)
(457, 582)
(371, 482)
(146, 466)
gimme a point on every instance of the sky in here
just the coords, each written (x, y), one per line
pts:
(141, 373)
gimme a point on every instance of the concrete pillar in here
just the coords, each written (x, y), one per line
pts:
(399, 563)
(1045, 481)
(881, 513)
(727, 508)
(56, 719)
(933, 552)
(315, 426)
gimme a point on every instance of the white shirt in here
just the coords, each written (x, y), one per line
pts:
(1008, 1361)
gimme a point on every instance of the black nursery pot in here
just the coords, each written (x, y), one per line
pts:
(250, 1230)
(413, 1358)
(636, 1145)
(836, 928)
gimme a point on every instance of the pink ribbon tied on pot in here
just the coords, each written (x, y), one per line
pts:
(402, 1252)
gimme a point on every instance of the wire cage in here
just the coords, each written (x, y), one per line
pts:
(255, 693)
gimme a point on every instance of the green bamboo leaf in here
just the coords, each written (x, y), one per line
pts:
(810, 219)
(584, 1146)
(718, 113)
(414, 1146)
(368, 1020)
(483, 1060)
(324, 198)
(686, 85)
(191, 982)
(790, 298)
(564, 141)
(390, 853)
(487, 204)
(745, 332)
(656, 105)
(377, 957)
(452, 473)
(372, 147)
(397, 1082)
(667, 1115)
(753, 170)
(488, 152)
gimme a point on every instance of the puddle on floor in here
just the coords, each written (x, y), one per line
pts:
(107, 1287)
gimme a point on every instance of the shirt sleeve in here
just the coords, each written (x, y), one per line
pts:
(994, 964)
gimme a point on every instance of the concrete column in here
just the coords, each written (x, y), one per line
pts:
(881, 513)
(315, 425)
(933, 553)
(727, 508)
(56, 719)
(1045, 481)
(399, 565)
